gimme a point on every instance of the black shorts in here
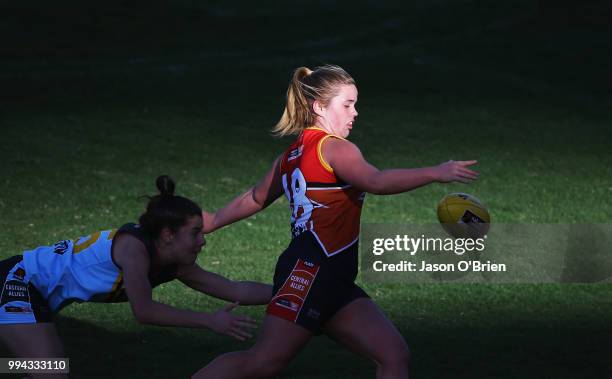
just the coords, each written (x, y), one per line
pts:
(20, 301)
(309, 287)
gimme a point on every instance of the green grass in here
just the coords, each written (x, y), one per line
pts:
(105, 99)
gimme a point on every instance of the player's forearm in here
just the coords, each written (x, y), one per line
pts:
(243, 292)
(164, 315)
(253, 293)
(393, 181)
(241, 207)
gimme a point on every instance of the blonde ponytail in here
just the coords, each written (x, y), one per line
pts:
(296, 115)
(307, 86)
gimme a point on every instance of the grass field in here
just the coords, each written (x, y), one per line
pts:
(96, 101)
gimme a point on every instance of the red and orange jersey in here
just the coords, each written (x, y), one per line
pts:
(319, 201)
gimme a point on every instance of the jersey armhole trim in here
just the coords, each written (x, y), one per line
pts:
(116, 285)
(118, 233)
(112, 250)
(322, 160)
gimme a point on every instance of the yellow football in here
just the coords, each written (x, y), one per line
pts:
(463, 216)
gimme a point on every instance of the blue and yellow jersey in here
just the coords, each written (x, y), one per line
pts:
(83, 269)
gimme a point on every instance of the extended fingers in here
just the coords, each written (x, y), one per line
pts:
(467, 173)
(245, 323)
(466, 163)
(239, 335)
(230, 307)
(457, 171)
(239, 327)
(464, 175)
(238, 330)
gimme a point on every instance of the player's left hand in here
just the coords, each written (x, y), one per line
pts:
(236, 326)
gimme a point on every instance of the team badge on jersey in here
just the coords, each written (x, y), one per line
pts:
(295, 153)
(61, 247)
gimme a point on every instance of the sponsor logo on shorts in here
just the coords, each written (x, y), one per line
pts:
(299, 283)
(14, 309)
(14, 290)
(288, 301)
(19, 274)
(288, 304)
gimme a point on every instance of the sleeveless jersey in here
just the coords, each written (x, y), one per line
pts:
(83, 269)
(319, 201)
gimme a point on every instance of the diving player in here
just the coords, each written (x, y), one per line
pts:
(120, 265)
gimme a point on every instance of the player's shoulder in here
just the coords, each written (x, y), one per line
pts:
(131, 243)
(338, 146)
(131, 228)
(338, 150)
(135, 231)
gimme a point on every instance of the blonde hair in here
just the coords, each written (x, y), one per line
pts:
(307, 86)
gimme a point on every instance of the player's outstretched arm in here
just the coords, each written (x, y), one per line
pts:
(243, 292)
(250, 202)
(131, 256)
(348, 163)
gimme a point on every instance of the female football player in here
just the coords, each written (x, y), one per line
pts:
(325, 178)
(120, 265)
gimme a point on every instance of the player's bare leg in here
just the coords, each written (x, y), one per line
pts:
(33, 341)
(362, 327)
(279, 341)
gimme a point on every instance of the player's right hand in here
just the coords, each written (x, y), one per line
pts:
(236, 326)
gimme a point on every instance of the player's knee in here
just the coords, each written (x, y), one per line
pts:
(397, 355)
(265, 365)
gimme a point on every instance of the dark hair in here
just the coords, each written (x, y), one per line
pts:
(166, 209)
